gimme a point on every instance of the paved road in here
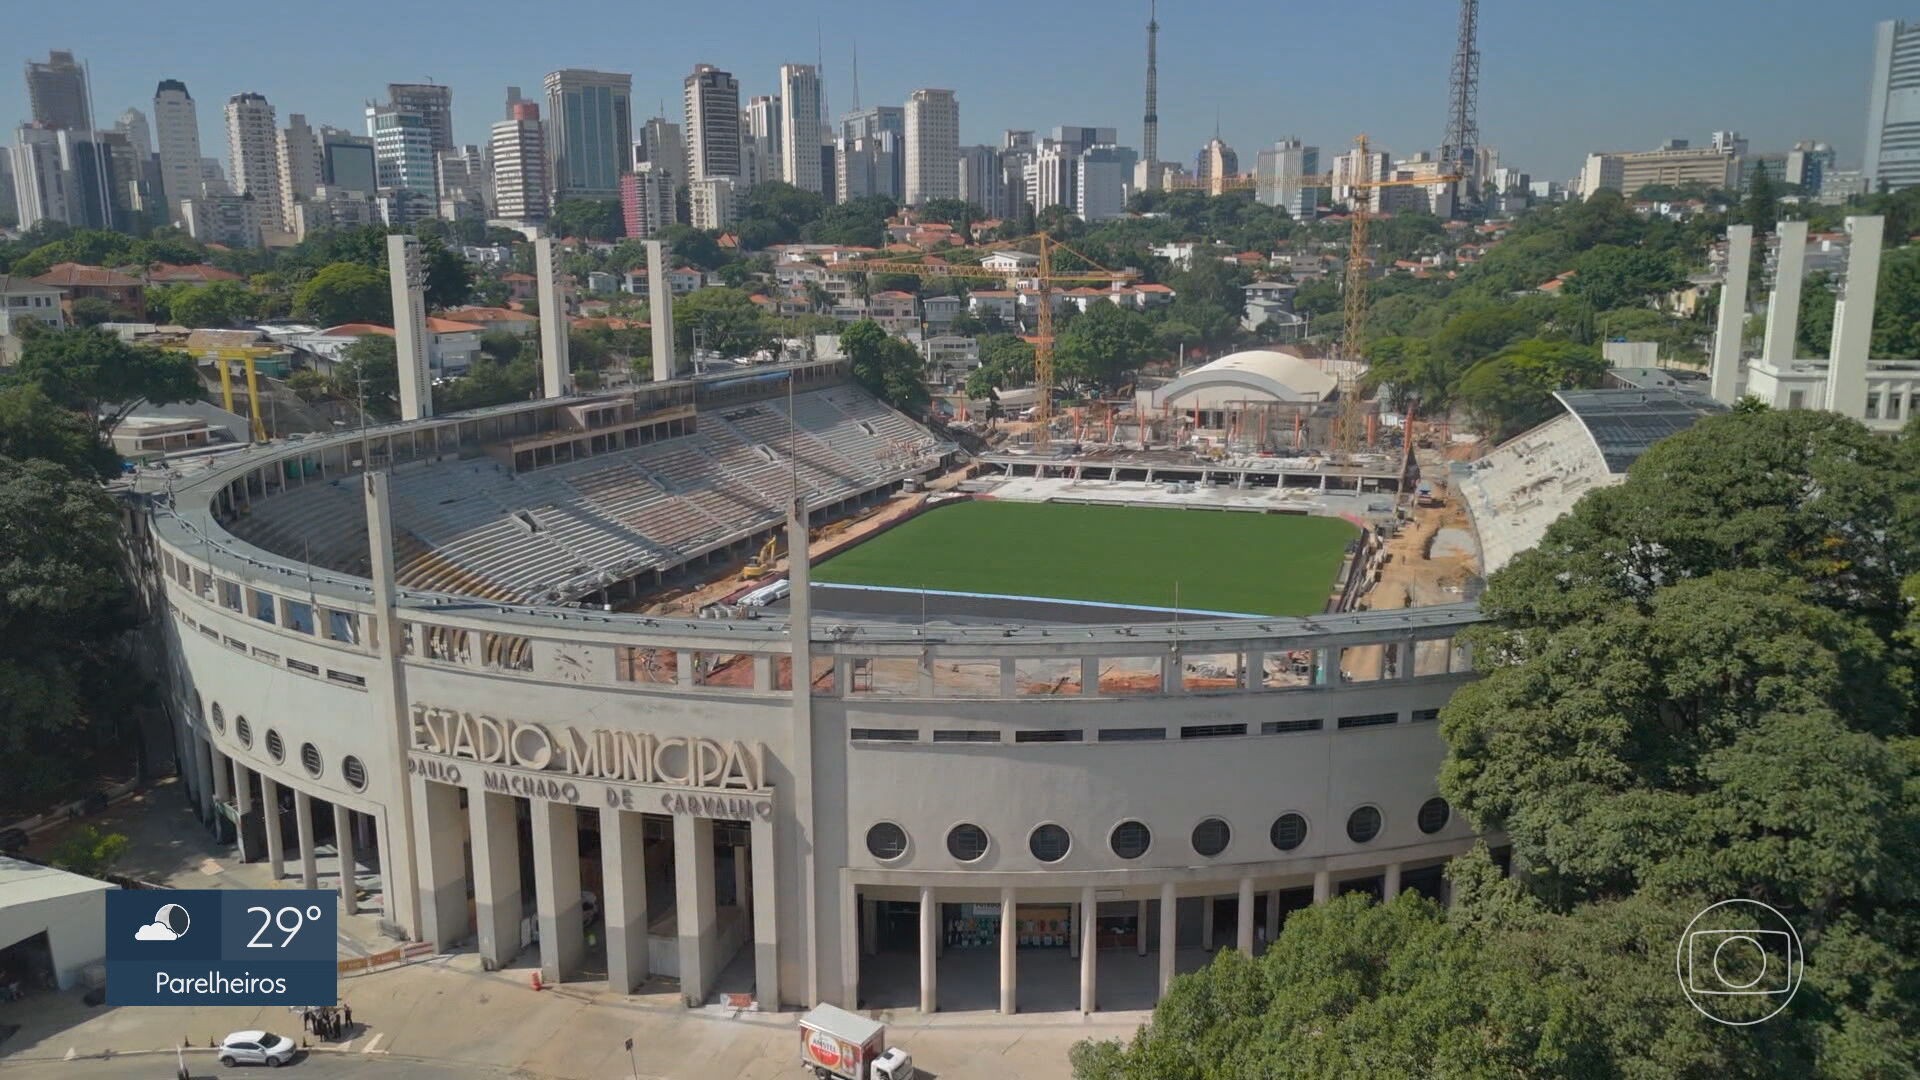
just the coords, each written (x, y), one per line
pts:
(162, 1067)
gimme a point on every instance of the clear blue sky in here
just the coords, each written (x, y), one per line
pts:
(1557, 79)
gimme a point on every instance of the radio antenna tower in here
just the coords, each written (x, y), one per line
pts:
(1150, 137)
(1460, 150)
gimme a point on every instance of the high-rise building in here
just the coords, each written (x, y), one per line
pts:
(1283, 176)
(646, 200)
(714, 202)
(253, 154)
(466, 188)
(41, 189)
(9, 197)
(590, 131)
(1893, 108)
(660, 143)
(519, 155)
(133, 124)
(431, 102)
(302, 169)
(933, 146)
(760, 139)
(1677, 164)
(712, 100)
(1215, 163)
(1808, 165)
(176, 125)
(213, 179)
(57, 92)
(801, 130)
(347, 161)
(402, 152)
(983, 180)
(1353, 167)
(1103, 177)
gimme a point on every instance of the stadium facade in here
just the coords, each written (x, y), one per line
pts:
(407, 636)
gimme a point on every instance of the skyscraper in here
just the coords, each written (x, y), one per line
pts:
(41, 190)
(800, 105)
(1283, 173)
(402, 152)
(253, 154)
(646, 200)
(713, 124)
(660, 143)
(301, 167)
(983, 180)
(1215, 163)
(762, 139)
(871, 152)
(57, 92)
(590, 122)
(519, 153)
(431, 102)
(347, 161)
(933, 146)
(176, 125)
(1893, 108)
(133, 124)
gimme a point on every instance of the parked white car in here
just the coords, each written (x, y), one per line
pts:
(256, 1048)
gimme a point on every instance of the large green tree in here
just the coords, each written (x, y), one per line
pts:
(1105, 345)
(345, 292)
(1513, 390)
(887, 366)
(590, 219)
(728, 321)
(100, 376)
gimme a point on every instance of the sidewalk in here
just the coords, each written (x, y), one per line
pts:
(171, 847)
(447, 1009)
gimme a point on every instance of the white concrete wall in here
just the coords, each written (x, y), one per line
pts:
(75, 925)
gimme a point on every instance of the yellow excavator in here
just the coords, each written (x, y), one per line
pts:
(761, 565)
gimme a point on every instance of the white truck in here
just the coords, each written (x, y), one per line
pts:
(840, 1045)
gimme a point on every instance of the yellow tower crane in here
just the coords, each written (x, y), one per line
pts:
(1045, 278)
(224, 359)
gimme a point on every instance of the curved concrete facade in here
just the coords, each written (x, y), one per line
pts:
(507, 760)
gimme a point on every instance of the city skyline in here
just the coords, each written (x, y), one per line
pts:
(1549, 95)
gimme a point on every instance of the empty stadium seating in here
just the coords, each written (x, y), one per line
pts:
(476, 528)
(1527, 483)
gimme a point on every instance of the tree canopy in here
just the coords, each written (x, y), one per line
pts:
(103, 378)
(345, 293)
(887, 366)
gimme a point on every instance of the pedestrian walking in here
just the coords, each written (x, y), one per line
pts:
(346, 1012)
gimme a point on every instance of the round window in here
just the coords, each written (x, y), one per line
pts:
(1049, 843)
(355, 772)
(276, 749)
(1434, 815)
(1210, 837)
(1363, 824)
(219, 718)
(967, 842)
(243, 730)
(1289, 831)
(1131, 839)
(310, 757)
(886, 841)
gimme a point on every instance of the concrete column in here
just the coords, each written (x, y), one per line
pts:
(496, 875)
(1322, 886)
(660, 315)
(1009, 680)
(742, 889)
(1724, 377)
(1273, 916)
(1256, 669)
(349, 873)
(440, 861)
(1089, 675)
(849, 942)
(193, 774)
(242, 787)
(1140, 930)
(1206, 923)
(1089, 947)
(1009, 943)
(1853, 320)
(1245, 935)
(303, 822)
(1074, 944)
(1169, 935)
(765, 890)
(1783, 307)
(407, 281)
(556, 888)
(929, 952)
(1390, 885)
(276, 848)
(869, 927)
(693, 905)
(623, 876)
(222, 775)
(556, 375)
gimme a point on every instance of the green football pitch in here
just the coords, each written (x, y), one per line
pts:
(1256, 564)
